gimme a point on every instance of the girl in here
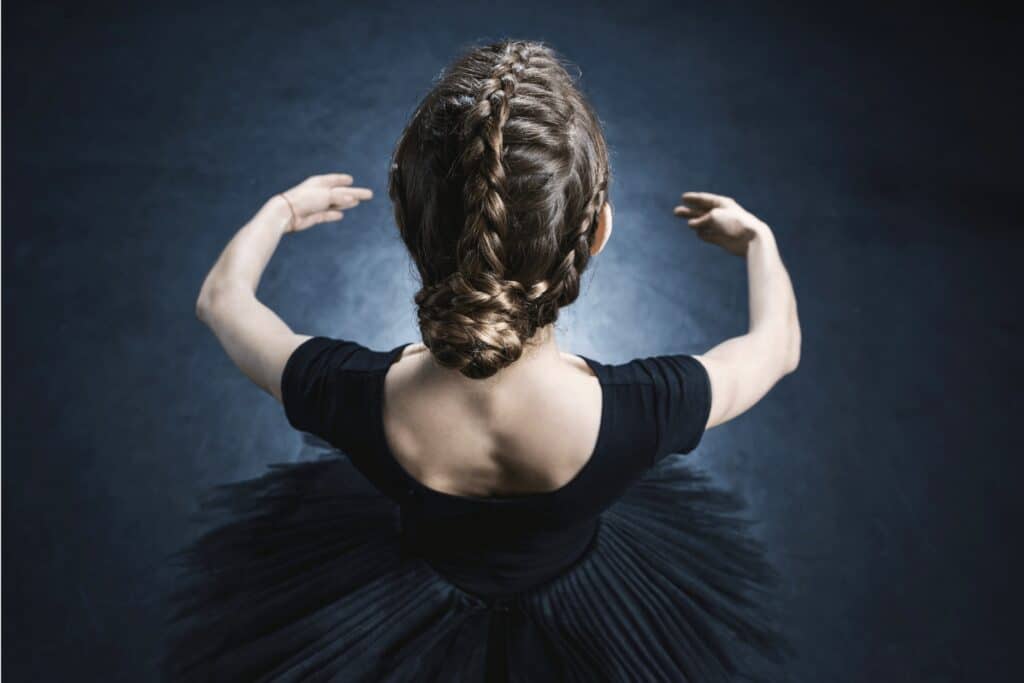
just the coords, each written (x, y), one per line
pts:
(495, 508)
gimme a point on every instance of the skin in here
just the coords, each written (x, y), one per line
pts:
(744, 368)
(467, 437)
(254, 337)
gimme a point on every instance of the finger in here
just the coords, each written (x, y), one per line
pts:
(331, 179)
(341, 199)
(705, 199)
(687, 211)
(360, 193)
(323, 217)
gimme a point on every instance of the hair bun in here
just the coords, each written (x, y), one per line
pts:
(476, 326)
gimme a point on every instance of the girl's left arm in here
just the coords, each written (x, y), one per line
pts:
(254, 337)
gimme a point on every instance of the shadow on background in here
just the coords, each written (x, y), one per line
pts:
(882, 146)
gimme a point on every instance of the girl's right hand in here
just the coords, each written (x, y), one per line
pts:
(720, 221)
(320, 199)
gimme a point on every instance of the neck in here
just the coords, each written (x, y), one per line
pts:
(542, 347)
(540, 354)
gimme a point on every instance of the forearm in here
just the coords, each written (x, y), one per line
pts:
(772, 302)
(745, 368)
(252, 335)
(241, 264)
(257, 339)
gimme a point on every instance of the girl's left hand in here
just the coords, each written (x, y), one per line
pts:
(319, 199)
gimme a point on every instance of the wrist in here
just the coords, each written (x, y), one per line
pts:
(759, 230)
(759, 233)
(278, 214)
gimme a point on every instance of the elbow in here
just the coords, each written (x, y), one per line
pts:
(202, 309)
(212, 299)
(793, 358)
(220, 300)
(204, 306)
(793, 348)
(779, 346)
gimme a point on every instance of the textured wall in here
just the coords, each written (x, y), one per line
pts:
(882, 146)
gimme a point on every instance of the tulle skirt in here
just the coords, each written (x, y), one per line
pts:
(302, 576)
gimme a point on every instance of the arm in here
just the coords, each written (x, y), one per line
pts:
(254, 337)
(744, 368)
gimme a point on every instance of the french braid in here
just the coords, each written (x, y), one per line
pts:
(506, 148)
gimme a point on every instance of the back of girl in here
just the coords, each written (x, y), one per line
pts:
(488, 506)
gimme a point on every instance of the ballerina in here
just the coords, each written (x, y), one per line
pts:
(489, 506)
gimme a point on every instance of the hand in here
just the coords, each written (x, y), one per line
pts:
(319, 199)
(720, 221)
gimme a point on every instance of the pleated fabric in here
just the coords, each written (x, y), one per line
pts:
(302, 575)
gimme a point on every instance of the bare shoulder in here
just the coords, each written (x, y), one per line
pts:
(414, 349)
(578, 363)
(412, 356)
(407, 365)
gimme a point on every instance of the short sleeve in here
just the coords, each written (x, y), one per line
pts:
(682, 402)
(324, 385)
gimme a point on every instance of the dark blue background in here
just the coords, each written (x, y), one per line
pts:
(881, 144)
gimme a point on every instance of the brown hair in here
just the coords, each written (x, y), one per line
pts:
(497, 182)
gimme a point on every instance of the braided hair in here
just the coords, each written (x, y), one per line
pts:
(497, 183)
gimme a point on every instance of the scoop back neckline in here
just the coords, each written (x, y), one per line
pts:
(392, 357)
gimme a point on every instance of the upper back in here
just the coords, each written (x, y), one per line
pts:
(530, 429)
(564, 438)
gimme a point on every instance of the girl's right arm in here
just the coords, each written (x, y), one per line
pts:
(744, 368)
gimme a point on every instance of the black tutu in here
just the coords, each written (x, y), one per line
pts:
(303, 576)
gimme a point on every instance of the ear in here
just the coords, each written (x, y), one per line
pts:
(604, 230)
